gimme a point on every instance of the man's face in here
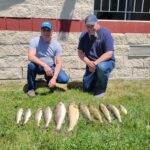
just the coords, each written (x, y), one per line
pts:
(46, 33)
(91, 29)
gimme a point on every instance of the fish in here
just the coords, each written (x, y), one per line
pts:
(19, 115)
(123, 109)
(62, 87)
(73, 114)
(27, 116)
(38, 116)
(47, 117)
(59, 115)
(115, 111)
(85, 111)
(95, 113)
(106, 113)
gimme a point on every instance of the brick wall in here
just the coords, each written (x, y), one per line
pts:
(14, 41)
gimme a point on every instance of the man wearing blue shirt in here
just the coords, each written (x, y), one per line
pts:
(45, 56)
(96, 50)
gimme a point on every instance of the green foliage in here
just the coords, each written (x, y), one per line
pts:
(134, 134)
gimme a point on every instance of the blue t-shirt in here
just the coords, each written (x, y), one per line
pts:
(45, 51)
(93, 47)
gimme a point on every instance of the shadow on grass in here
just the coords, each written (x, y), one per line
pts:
(75, 85)
(41, 83)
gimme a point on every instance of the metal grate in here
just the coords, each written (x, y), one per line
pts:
(122, 9)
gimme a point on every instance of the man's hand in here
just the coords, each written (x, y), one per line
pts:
(48, 70)
(52, 83)
(92, 66)
(89, 63)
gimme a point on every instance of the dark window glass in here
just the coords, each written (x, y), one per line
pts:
(124, 10)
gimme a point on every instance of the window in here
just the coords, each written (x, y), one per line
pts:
(122, 9)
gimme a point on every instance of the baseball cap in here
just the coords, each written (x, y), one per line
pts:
(46, 25)
(91, 19)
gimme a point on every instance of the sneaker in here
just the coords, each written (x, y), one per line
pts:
(99, 94)
(31, 93)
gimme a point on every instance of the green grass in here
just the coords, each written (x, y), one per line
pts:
(134, 134)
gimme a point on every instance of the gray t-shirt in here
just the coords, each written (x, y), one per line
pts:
(45, 51)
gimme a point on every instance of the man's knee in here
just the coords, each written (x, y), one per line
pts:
(65, 79)
(102, 67)
(31, 66)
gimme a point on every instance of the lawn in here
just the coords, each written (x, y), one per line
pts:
(134, 134)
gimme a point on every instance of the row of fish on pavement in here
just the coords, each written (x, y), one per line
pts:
(90, 112)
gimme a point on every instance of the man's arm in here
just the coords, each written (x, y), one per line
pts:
(58, 62)
(88, 62)
(106, 56)
(32, 57)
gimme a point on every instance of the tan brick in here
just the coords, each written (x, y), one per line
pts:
(68, 38)
(69, 11)
(133, 62)
(24, 37)
(72, 62)
(76, 74)
(36, 2)
(121, 73)
(13, 62)
(24, 73)
(119, 39)
(137, 39)
(69, 50)
(121, 50)
(146, 62)
(119, 62)
(148, 35)
(141, 73)
(13, 37)
(10, 73)
(18, 10)
(13, 50)
(85, 3)
(3, 37)
(44, 12)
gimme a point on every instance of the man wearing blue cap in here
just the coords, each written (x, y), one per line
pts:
(45, 56)
(96, 50)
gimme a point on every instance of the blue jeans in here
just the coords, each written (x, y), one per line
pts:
(34, 69)
(99, 78)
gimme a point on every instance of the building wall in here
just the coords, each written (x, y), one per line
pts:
(56, 9)
(14, 39)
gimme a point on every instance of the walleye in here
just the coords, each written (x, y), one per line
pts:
(115, 111)
(19, 115)
(95, 113)
(27, 116)
(106, 113)
(59, 115)
(85, 111)
(123, 109)
(38, 116)
(73, 113)
(47, 117)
